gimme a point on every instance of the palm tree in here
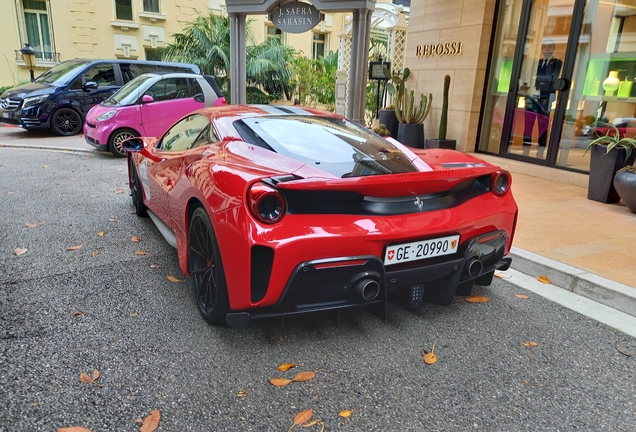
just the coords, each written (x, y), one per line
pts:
(206, 43)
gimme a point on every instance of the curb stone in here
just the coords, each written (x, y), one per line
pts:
(594, 287)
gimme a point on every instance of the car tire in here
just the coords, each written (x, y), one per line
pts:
(116, 139)
(66, 122)
(206, 269)
(136, 192)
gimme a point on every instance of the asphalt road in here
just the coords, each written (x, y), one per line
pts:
(154, 352)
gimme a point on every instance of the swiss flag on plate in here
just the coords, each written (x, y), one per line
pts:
(391, 254)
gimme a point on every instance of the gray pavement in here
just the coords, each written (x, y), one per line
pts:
(144, 334)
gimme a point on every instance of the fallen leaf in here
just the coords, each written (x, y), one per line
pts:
(152, 422)
(279, 382)
(20, 251)
(529, 344)
(311, 423)
(10, 193)
(42, 223)
(477, 299)
(174, 279)
(619, 350)
(74, 178)
(89, 157)
(30, 225)
(73, 429)
(85, 378)
(544, 279)
(118, 191)
(96, 375)
(80, 312)
(303, 416)
(135, 239)
(45, 166)
(95, 253)
(100, 234)
(242, 393)
(521, 296)
(430, 358)
(74, 248)
(154, 266)
(304, 376)
(134, 314)
(141, 253)
(113, 219)
(345, 413)
(286, 366)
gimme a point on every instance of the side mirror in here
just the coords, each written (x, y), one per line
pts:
(90, 85)
(133, 145)
(147, 99)
(199, 97)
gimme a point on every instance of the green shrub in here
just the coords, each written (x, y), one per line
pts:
(255, 95)
(5, 88)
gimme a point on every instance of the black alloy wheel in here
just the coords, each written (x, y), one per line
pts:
(136, 192)
(116, 141)
(66, 122)
(206, 269)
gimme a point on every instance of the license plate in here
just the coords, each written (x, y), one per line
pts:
(6, 115)
(418, 250)
(90, 134)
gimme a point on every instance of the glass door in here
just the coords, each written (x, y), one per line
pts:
(531, 77)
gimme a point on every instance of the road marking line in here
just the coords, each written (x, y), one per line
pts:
(597, 311)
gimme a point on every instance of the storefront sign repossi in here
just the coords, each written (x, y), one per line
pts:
(295, 17)
(445, 49)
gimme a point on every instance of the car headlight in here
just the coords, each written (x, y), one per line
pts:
(34, 100)
(107, 115)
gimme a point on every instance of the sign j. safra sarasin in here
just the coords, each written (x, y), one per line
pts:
(295, 17)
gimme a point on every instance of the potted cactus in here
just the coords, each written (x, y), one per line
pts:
(442, 142)
(395, 84)
(411, 116)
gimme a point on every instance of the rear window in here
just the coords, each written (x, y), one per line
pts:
(331, 144)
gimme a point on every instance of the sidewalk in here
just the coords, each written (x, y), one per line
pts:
(582, 246)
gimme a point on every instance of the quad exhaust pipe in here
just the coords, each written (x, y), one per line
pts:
(366, 289)
(474, 267)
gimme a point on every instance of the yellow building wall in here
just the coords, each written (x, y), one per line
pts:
(89, 29)
(434, 22)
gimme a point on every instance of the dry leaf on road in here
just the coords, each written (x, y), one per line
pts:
(279, 382)
(174, 279)
(118, 191)
(73, 429)
(20, 251)
(74, 248)
(544, 279)
(477, 299)
(242, 393)
(100, 234)
(430, 358)
(95, 253)
(80, 312)
(345, 413)
(135, 239)
(141, 253)
(286, 366)
(154, 266)
(529, 344)
(304, 376)
(85, 378)
(302, 417)
(30, 225)
(152, 422)
(521, 296)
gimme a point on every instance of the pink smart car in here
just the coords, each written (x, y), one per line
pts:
(147, 106)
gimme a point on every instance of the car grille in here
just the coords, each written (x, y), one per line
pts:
(90, 125)
(10, 104)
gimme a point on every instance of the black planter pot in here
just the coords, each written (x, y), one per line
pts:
(388, 118)
(625, 185)
(411, 135)
(603, 167)
(443, 144)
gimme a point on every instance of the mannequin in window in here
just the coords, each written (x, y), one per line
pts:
(538, 108)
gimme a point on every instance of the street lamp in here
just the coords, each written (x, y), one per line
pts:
(28, 55)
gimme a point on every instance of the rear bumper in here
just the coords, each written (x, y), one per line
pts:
(332, 285)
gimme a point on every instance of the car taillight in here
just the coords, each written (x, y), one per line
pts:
(266, 203)
(500, 182)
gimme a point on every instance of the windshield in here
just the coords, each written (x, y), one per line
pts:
(62, 73)
(130, 93)
(331, 144)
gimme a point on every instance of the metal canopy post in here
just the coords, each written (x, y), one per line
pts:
(362, 10)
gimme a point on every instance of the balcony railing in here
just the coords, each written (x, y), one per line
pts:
(41, 56)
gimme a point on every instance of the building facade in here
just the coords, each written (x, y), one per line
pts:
(532, 80)
(135, 29)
